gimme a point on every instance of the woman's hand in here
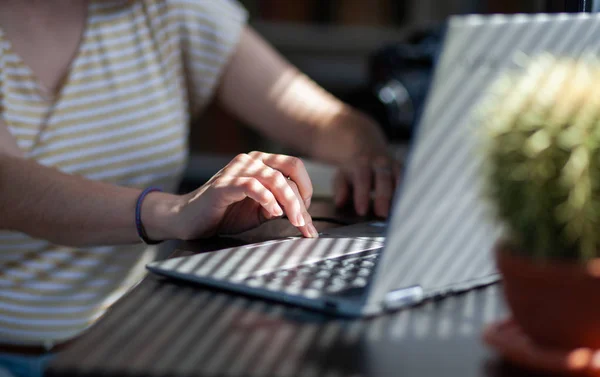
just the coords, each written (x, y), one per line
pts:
(366, 179)
(268, 93)
(250, 190)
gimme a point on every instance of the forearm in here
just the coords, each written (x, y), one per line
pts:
(349, 135)
(269, 93)
(71, 210)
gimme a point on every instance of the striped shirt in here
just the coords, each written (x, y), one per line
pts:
(142, 69)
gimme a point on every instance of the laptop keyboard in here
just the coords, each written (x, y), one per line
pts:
(328, 276)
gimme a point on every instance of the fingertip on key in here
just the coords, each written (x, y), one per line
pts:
(313, 231)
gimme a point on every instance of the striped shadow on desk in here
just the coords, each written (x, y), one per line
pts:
(176, 330)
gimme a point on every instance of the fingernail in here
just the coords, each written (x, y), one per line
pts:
(277, 211)
(313, 231)
(307, 203)
(300, 220)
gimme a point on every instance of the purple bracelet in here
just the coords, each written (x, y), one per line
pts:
(138, 216)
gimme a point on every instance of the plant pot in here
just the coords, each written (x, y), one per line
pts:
(555, 303)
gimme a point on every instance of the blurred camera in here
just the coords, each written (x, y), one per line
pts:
(399, 79)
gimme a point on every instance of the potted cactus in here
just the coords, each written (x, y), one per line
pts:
(541, 131)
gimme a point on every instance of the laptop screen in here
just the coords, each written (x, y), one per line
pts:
(441, 234)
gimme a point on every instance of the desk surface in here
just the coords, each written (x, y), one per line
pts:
(165, 328)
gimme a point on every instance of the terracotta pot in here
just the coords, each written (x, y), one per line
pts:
(556, 303)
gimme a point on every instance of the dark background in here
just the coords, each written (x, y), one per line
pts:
(331, 41)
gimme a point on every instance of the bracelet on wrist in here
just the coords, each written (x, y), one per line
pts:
(138, 216)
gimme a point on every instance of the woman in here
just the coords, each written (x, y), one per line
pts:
(95, 101)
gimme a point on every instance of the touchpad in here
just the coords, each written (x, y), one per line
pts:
(372, 229)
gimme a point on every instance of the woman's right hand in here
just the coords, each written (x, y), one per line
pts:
(251, 189)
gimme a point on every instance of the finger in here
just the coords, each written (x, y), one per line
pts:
(236, 189)
(361, 182)
(238, 164)
(279, 185)
(290, 167)
(274, 180)
(309, 229)
(266, 215)
(397, 168)
(384, 186)
(341, 190)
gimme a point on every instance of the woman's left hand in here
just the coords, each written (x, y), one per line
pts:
(366, 180)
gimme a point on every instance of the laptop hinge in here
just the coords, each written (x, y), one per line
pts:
(403, 297)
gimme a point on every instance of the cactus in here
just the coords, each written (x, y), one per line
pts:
(541, 131)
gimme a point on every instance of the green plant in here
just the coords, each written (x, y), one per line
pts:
(541, 130)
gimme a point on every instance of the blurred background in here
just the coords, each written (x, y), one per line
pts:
(377, 55)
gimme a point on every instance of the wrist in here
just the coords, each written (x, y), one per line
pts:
(362, 136)
(370, 138)
(159, 214)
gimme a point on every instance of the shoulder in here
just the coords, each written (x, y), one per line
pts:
(209, 31)
(206, 10)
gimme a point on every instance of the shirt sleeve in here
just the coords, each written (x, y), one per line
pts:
(209, 33)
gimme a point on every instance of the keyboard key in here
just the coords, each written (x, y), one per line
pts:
(312, 293)
(335, 289)
(346, 273)
(359, 283)
(304, 270)
(279, 281)
(330, 263)
(330, 275)
(351, 261)
(367, 263)
(323, 274)
(283, 273)
(293, 289)
(337, 282)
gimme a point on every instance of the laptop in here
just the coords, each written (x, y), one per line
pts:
(440, 235)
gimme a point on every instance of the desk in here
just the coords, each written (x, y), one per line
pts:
(166, 328)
